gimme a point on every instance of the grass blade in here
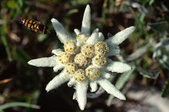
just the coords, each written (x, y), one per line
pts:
(20, 104)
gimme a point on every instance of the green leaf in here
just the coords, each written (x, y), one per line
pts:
(3, 31)
(164, 61)
(159, 27)
(151, 2)
(16, 104)
(79, 2)
(104, 10)
(120, 82)
(73, 11)
(162, 43)
(164, 7)
(20, 3)
(165, 90)
(35, 96)
(4, 4)
(162, 53)
(12, 4)
(138, 53)
(149, 73)
(123, 78)
(112, 2)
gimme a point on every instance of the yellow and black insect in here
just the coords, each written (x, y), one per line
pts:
(35, 25)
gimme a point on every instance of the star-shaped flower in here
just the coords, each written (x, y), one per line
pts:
(84, 60)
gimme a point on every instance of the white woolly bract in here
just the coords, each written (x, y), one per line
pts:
(109, 88)
(60, 31)
(57, 51)
(86, 22)
(44, 62)
(57, 81)
(81, 91)
(120, 36)
(118, 67)
(93, 86)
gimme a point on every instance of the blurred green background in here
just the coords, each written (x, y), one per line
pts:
(22, 86)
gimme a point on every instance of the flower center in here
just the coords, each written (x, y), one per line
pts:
(83, 56)
(80, 60)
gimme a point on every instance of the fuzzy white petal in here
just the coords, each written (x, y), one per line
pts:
(77, 32)
(101, 36)
(96, 30)
(71, 82)
(93, 86)
(113, 52)
(60, 31)
(106, 75)
(58, 66)
(120, 36)
(110, 88)
(81, 90)
(86, 22)
(44, 62)
(57, 51)
(93, 38)
(74, 96)
(117, 67)
(57, 81)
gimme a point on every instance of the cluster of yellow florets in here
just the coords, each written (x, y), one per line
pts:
(76, 61)
(64, 57)
(92, 73)
(70, 68)
(87, 50)
(79, 75)
(69, 46)
(99, 60)
(101, 48)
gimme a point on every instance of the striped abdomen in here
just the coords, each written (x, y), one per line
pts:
(34, 25)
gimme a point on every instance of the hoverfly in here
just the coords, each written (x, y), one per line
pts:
(35, 25)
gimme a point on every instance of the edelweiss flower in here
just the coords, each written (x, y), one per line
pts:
(84, 60)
